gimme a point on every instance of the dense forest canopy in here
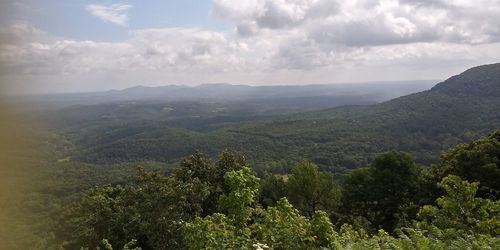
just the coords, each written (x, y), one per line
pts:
(391, 204)
(417, 172)
(273, 135)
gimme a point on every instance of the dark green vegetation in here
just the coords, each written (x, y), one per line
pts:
(423, 124)
(391, 204)
(311, 179)
(456, 110)
(167, 123)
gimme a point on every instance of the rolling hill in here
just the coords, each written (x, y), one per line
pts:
(456, 110)
(368, 91)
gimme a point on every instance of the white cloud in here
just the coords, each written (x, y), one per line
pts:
(115, 13)
(368, 22)
(201, 54)
(287, 41)
(167, 50)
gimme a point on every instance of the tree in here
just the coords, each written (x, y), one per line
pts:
(310, 189)
(283, 227)
(227, 230)
(243, 186)
(385, 192)
(459, 211)
(199, 168)
(150, 210)
(458, 221)
(156, 211)
(477, 161)
(272, 189)
(244, 226)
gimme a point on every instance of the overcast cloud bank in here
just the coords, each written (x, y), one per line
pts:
(280, 41)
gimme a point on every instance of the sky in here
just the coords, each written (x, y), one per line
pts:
(52, 46)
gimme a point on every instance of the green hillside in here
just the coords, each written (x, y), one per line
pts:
(456, 110)
(78, 200)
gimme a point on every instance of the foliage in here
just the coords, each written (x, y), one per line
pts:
(219, 230)
(243, 186)
(460, 222)
(309, 189)
(283, 227)
(460, 212)
(213, 232)
(272, 189)
(199, 168)
(279, 227)
(385, 192)
(378, 209)
(477, 161)
(150, 210)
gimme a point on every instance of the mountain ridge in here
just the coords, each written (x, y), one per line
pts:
(423, 123)
(479, 80)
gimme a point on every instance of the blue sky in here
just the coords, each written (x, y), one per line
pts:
(71, 19)
(69, 46)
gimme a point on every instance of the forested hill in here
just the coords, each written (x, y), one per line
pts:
(456, 110)
(424, 123)
(482, 81)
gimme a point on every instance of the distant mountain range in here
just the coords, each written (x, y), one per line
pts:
(225, 91)
(456, 110)
(360, 93)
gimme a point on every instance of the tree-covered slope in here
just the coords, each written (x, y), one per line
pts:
(456, 110)
(222, 204)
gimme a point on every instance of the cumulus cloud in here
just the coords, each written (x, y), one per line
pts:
(276, 14)
(319, 32)
(288, 41)
(367, 22)
(168, 50)
(115, 13)
(196, 52)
